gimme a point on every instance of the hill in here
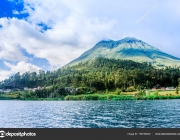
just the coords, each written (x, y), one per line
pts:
(128, 49)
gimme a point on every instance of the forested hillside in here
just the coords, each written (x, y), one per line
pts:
(100, 74)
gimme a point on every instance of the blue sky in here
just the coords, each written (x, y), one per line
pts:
(47, 34)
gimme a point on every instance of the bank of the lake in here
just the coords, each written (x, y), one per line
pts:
(32, 99)
(136, 95)
(86, 97)
(117, 97)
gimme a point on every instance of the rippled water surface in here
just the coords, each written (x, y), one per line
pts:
(90, 114)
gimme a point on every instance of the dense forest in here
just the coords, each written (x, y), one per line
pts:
(98, 74)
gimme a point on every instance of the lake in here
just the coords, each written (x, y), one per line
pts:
(90, 114)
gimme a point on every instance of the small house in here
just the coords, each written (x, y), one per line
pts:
(7, 90)
(25, 88)
(34, 89)
(169, 88)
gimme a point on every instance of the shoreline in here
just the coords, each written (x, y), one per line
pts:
(96, 97)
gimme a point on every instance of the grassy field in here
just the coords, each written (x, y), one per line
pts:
(21, 95)
(14, 95)
(166, 92)
(152, 95)
(9, 95)
(160, 92)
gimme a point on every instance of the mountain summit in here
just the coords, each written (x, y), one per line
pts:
(128, 49)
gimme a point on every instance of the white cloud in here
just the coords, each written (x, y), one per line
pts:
(77, 25)
(9, 48)
(5, 74)
(16, 12)
(22, 67)
(67, 39)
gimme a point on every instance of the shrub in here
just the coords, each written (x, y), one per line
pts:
(141, 93)
(131, 89)
(140, 87)
(18, 96)
(66, 98)
(109, 97)
(156, 93)
(83, 98)
(94, 97)
(80, 91)
(118, 91)
(93, 90)
(107, 91)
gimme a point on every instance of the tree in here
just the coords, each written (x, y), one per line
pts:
(100, 74)
(107, 91)
(32, 94)
(118, 91)
(19, 95)
(156, 93)
(141, 93)
(177, 90)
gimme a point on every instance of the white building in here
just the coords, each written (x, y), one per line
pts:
(7, 90)
(170, 88)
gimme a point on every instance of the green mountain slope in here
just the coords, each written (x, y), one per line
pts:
(128, 49)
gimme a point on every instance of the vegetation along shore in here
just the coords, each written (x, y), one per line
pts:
(100, 79)
(107, 95)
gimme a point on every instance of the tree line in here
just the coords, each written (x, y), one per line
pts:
(99, 74)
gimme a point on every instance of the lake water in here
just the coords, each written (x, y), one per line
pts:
(90, 114)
